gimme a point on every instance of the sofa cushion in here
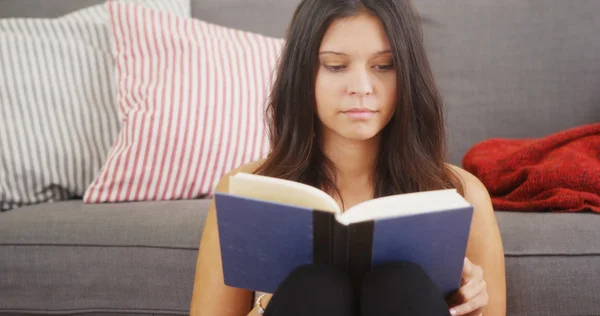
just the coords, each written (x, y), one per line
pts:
(552, 262)
(58, 102)
(193, 113)
(69, 257)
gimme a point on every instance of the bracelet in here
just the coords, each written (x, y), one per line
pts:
(259, 305)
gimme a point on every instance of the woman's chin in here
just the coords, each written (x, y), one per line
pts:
(362, 136)
(354, 133)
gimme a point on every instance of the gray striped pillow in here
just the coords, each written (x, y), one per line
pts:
(58, 102)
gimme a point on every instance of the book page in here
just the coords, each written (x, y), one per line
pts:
(281, 191)
(404, 205)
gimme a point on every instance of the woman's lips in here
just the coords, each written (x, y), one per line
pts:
(359, 113)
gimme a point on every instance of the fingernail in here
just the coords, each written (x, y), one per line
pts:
(452, 312)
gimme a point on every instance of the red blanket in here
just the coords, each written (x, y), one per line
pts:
(560, 172)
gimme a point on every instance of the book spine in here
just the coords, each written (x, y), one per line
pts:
(323, 240)
(330, 241)
(348, 248)
(340, 246)
(359, 253)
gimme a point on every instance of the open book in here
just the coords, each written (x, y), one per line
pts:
(268, 227)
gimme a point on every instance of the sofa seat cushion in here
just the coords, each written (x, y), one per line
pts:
(70, 257)
(552, 262)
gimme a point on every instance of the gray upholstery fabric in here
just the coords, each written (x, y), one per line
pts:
(513, 68)
(68, 257)
(144, 224)
(75, 279)
(269, 17)
(552, 263)
(42, 8)
(553, 234)
(553, 285)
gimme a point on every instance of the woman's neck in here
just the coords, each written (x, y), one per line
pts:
(354, 162)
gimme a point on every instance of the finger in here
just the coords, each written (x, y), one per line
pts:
(467, 292)
(472, 271)
(468, 266)
(478, 302)
(467, 273)
(472, 289)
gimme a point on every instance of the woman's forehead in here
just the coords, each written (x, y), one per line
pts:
(362, 34)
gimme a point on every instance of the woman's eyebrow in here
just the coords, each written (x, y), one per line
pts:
(387, 51)
(331, 52)
(343, 54)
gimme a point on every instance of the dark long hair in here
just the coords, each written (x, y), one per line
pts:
(413, 145)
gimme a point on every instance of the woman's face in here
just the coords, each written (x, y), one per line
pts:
(356, 80)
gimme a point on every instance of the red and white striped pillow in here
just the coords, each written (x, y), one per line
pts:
(191, 98)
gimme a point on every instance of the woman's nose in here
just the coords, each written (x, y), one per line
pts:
(359, 83)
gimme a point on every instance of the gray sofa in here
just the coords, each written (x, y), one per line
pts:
(523, 68)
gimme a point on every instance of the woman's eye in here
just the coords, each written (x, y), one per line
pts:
(384, 67)
(335, 67)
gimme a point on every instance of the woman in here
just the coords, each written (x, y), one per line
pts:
(355, 112)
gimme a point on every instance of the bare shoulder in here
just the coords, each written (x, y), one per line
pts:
(475, 191)
(245, 168)
(248, 167)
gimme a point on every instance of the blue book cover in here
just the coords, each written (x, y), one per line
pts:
(268, 227)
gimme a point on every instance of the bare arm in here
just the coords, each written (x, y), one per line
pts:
(210, 296)
(485, 247)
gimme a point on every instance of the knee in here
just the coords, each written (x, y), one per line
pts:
(310, 288)
(398, 272)
(401, 288)
(319, 276)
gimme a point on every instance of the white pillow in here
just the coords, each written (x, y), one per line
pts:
(58, 102)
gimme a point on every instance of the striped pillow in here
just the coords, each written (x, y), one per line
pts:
(58, 103)
(192, 96)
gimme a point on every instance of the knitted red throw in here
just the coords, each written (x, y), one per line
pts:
(557, 173)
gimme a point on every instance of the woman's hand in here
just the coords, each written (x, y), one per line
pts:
(472, 297)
